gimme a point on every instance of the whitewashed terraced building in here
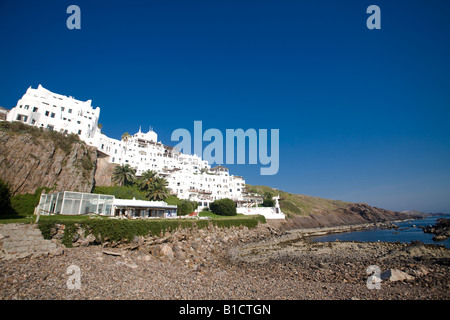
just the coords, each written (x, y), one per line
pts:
(189, 176)
(45, 109)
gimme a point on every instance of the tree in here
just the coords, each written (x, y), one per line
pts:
(158, 189)
(268, 202)
(146, 180)
(185, 207)
(125, 136)
(124, 175)
(268, 195)
(223, 207)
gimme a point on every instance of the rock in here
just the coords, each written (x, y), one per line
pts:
(130, 265)
(154, 250)
(179, 253)
(112, 253)
(441, 229)
(63, 164)
(86, 241)
(421, 271)
(440, 237)
(166, 251)
(147, 257)
(395, 275)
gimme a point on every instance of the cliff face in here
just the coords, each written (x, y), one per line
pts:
(31, 158)
(104, 171)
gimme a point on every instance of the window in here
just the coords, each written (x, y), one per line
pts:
(52, 115)
(70, 110)
(79, 131)
(79, 122)
(50, 127)
(21, 117)
(35, 109)
(47, 113)
(27, 107)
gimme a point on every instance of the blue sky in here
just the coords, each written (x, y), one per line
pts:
(363, 114)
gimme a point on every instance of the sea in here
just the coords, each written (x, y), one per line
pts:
(407, 231)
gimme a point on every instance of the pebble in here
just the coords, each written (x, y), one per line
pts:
(259, 267)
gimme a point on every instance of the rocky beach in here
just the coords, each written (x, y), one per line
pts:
(228, 264)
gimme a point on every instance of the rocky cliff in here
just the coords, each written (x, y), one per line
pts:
(104, 171)
(353, 214)
(313, 212)
(31, 158)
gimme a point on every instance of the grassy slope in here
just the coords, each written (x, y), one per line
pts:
(297, 204)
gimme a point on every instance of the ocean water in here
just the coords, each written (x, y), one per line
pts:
(408, 231)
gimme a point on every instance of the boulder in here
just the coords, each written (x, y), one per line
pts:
(395, 275)
(154, 250)
(166, 251)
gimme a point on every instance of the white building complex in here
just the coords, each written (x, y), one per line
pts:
(188, 176)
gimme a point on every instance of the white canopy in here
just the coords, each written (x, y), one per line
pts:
(141, 204)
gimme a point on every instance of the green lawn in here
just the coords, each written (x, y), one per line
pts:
(16, 219)
(238, 216)
(32, 219)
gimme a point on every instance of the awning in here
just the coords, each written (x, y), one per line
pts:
(142, 204)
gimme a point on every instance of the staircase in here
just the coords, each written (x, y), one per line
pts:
(19, 240)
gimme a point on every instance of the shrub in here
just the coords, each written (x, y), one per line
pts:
(268, 203)
(184, 207)
(125, 230)
(223, 207)
(5, 198)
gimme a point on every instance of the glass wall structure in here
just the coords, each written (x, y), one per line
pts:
(75, 203)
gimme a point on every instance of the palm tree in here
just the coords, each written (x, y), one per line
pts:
(146, 180)
(158, 189)
(124, 175)
(125, 136)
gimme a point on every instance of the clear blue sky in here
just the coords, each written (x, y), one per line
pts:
(363, 114)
